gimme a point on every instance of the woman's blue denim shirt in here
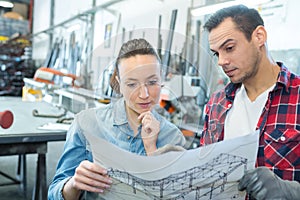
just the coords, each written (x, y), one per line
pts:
(110, 123)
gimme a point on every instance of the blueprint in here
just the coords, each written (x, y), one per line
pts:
(209, 172)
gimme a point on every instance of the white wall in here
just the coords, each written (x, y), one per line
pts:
(65, 9)
(283, 28)
(41, 21)
(41, 14)
(141, 17)
(137, 15)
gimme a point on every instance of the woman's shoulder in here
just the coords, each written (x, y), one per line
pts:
(98, 111)
(94, 119)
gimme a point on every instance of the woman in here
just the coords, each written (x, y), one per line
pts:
(129, 123)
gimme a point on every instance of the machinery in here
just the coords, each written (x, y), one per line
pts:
(48, 75)
(182, 102)
(187, 96)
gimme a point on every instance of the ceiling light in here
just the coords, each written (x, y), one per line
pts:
(6, 4)
(208, 9)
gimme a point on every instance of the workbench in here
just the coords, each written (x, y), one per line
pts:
(25, 137)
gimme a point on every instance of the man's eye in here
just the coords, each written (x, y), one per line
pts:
(228, 49)
(216, 54)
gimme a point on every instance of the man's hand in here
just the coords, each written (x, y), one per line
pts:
(262, 184)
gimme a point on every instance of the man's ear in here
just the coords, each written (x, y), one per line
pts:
(260, 35)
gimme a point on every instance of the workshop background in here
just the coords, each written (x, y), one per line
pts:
(62, 52)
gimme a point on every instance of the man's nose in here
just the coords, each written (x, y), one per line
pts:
(223, 60)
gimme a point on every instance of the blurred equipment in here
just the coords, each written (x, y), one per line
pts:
(49, 75)
(13, 15)
(183, 98)
(16, 63)
(167, 54)
(187, 95)
(6, 119)
(180, 85)
(31, 94)
(36, 113)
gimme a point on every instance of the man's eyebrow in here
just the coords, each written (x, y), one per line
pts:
(222, 45)
(225, 42)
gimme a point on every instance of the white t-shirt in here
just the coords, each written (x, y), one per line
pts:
(244, 114)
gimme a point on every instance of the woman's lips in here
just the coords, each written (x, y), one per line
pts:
(144, 105)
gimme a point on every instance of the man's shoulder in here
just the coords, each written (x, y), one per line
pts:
(228, 90)
(287, 77)
(295, 79)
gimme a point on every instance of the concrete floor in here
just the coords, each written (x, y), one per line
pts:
(8, 164)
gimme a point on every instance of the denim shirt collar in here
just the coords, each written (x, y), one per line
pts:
(119, 112)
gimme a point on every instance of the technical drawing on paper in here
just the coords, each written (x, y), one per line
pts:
(205, 173)
(207, 180)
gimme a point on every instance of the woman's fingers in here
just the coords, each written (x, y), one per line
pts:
(144, 114)
(91, 177)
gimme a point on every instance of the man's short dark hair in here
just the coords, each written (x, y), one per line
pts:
(246, 19)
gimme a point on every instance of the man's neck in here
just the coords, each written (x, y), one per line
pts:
(265, 78)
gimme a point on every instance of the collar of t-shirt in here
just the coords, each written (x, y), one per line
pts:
(244, 114)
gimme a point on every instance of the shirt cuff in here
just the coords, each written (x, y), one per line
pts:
(63, 183)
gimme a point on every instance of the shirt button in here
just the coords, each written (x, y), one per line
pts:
(128, 137)
(282, 138)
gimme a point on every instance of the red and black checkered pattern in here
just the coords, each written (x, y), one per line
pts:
(279, 145)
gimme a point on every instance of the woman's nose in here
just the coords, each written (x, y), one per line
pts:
(143, 91)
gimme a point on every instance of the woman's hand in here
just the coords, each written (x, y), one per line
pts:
(89, 177)
(150, 130)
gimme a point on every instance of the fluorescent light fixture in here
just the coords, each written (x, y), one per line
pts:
(208, 9)
(6, 4)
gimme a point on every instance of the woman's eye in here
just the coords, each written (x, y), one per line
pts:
(131, 85)
(152, 82)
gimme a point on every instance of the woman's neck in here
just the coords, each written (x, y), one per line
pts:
(133, 121)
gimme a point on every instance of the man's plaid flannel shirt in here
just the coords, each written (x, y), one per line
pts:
(279, 145)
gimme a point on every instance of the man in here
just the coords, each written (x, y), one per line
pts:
(262, 94)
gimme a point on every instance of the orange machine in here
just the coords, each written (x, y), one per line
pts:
(47, 75)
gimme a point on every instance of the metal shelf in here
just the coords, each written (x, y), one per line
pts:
(80, 16)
